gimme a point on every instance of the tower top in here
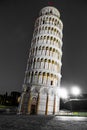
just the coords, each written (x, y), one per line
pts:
(49, 10)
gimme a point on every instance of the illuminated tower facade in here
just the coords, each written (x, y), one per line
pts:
(40, 93)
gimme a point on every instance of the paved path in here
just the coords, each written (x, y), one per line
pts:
(26, 122)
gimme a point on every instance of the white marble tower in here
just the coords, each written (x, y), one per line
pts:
(40, 93)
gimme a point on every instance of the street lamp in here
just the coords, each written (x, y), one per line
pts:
(63, 93)
(75, 91)
(68, 96)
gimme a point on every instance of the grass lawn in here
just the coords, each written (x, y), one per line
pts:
(4, 107)
(80, 114)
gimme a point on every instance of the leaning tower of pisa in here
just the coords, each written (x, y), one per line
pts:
(40, 94)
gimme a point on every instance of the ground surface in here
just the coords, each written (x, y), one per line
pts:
(23, 122)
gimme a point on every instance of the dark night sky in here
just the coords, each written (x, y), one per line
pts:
(17, 18)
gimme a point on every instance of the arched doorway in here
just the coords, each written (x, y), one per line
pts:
(33, 106)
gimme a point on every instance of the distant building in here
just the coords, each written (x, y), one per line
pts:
(15, 97)
(15, 94)
(78, 103)
(11, 99)
(43, 73)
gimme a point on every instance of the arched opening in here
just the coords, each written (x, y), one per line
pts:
(51, 82)
(43, 21)
(44, 78)
(33, 106)
(50, 11)
(40, 78)
(33, 109)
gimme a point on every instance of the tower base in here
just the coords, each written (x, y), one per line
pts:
(42, 102)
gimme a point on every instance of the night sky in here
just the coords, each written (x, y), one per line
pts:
(17, 18)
